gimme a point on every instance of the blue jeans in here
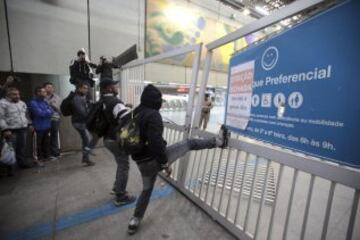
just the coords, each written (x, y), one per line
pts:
(150, 168)
(88, 140)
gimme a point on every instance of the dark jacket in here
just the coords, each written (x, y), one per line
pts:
(151, 126)
(81, 109)
(40, 113)
(113, 109)
(80, 71)
(105, 70)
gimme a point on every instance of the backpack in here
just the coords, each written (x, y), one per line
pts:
(129, 136)
(96, 120)
(7, 153)
(66, 105)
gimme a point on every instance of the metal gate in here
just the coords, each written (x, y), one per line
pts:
(260, 191)
(256, 190)
(132, 84)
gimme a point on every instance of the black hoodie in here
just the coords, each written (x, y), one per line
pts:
(151, 126)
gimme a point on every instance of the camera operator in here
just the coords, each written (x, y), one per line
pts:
(105, 68)
(80, 70)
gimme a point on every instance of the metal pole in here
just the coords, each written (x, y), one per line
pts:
(210, 174)
(353, 215)
(247, 156)
(217, 177)
(288, 212)
(192, 170)
(8, 35)
(269, 233)
(225, 176)
(232, 183)
(204, 80)
(262, 202)
(203, 173)
(88, 25)
(328, 210)
(198, 169)
(251, 194)
(183, 165)
(307, 207)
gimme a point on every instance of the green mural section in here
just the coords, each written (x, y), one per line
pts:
(171, 24)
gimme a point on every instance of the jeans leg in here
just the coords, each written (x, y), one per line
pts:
(19, 141)
(149, 172)
(179, 149)
(54, 138)
(39, 141)
(122, 170)
(94, 139)
(84, 140)
(45, 145)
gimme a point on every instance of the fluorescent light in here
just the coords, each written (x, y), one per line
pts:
(261, 10)
(246, 11)
(284, 22)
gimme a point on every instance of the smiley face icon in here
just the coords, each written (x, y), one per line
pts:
(270, 58)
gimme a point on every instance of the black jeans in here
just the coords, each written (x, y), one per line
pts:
(54, 138)
(149, 169)
(43, 144)
(18, 140)
(122, 169)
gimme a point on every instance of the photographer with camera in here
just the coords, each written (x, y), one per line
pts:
(105, 68)
(80, 70)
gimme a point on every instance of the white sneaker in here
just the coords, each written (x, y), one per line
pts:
(133, 225)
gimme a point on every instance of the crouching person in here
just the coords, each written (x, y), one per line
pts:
(155, 156)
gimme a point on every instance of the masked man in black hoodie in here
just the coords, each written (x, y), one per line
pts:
(155, 156)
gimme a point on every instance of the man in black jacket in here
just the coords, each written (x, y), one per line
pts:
(105, 68)
(114, 109)
(155, 156)
(80, 70)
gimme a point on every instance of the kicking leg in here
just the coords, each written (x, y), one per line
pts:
(177, 150)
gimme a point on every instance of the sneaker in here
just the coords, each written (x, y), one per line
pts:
(124, 199)
(52, 158)
(222, 140)
(133, 225)
(113, 191)
(88, 163)
(90, 151)
(39, 164)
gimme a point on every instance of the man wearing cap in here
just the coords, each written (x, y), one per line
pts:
(114, 110)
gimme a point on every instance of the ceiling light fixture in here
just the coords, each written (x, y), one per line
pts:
(246, 11)
(261, 10)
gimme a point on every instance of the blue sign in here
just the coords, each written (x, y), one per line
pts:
(301, 88)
